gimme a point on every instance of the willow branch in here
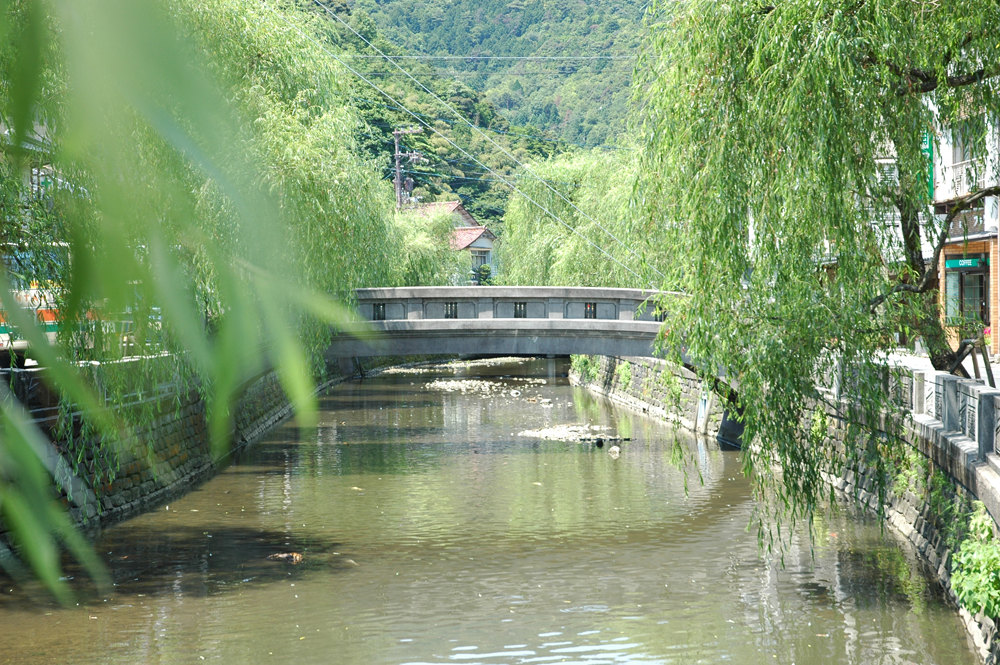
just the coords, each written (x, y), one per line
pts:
(922, 80)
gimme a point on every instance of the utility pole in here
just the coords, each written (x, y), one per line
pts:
(412, 156)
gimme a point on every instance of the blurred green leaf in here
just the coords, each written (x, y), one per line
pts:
(30, 44)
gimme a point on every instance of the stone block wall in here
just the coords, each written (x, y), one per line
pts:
(172, 453)
(658, 388)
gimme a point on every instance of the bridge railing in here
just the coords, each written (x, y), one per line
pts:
(503, 302)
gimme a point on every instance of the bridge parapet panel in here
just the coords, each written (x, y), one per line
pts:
(489, 302)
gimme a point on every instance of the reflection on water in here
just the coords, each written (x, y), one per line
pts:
(432, 533)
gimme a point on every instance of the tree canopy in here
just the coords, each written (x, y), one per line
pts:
(584, 231)
(787, 142)
(188, 172)
(579, 101)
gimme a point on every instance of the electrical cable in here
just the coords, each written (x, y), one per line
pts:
(466, 177)
(486, 136)
(494, 57)
(452, 143)
(478, 73)
(497, 131)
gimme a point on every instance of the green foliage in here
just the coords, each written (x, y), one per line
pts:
(597, 186)
(820, 428)
(975, 573)
(425, 257)
(585, 102)
(911, 474)
(588, 367)
(766, 129)
(623, 374)
(455, 155)
(194, 210)
(949, 508)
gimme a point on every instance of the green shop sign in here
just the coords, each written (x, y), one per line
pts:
(928, 149)
(966, 263)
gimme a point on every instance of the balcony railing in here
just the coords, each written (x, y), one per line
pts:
(965, 177)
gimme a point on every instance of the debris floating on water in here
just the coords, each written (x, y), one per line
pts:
(288, 557)
(584, 433)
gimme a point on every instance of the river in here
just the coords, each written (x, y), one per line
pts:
(436, 527)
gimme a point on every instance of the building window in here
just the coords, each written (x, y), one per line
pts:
(378, 311)
(520, 310)
(480, 257)
(451, 310)
(659, 315)
(590, 310)
(962, 142)
(967, 289)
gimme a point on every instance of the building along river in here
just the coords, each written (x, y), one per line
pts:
(436, 526)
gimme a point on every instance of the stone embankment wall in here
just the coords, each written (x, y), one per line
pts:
(174, 449)
(954, 425)
(655, 387)
(174, 452)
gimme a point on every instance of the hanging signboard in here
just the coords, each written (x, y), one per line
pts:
(928, 150)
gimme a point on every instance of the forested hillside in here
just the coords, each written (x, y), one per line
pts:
(581, 101)
(481, 119)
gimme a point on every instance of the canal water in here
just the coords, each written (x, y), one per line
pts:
(436, 524)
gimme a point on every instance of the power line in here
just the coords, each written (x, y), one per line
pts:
(452, 143)
(488, 57)
(491, 73)
(486, 136)
(490, 129)
(466, 177)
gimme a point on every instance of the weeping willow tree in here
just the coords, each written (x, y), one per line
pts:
(785, 150)
(579, 226)
(179, 179)
(427, 258)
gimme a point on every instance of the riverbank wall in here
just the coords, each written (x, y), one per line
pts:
(171, 454)
(653, 386)
(953, 430)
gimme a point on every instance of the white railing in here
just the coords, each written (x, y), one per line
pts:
(962, 178)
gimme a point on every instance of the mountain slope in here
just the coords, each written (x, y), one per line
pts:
(581, 101)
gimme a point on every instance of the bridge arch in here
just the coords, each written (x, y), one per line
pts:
(490, 320)
(509, 321)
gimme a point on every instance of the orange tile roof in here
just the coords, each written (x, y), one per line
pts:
(453, 207)
(438, 206)
(464, 236)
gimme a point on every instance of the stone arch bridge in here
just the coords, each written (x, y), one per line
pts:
(507, 321)
(500, 321)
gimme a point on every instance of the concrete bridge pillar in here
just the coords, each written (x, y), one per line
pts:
(731, 428)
